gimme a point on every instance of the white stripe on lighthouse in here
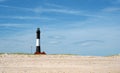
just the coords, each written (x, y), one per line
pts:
(37, 42)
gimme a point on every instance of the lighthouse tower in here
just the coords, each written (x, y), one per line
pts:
(38, 48)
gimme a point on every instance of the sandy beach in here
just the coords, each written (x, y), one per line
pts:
(13, 63)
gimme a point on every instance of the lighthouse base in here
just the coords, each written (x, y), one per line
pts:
(40, 53)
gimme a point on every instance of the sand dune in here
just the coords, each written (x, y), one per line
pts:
(58, 64)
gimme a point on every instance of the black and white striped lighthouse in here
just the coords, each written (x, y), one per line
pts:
(38, 48)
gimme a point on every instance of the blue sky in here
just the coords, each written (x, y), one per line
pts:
(84, 27)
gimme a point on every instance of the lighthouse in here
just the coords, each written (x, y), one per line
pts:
(38, 48)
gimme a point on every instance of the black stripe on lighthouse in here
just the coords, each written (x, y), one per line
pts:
(38, 50)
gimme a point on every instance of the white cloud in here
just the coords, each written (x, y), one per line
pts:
(89, 42)
(17, 8)
(64, 11)
(10, 25)
(54, 42)
(56, 37)
(27, 17)
(55, 10)
(111, 9)
(54, 5)
(41, 10)
(16, 25)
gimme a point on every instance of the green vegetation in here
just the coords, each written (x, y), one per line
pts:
(113, 55)
(18, 53)
(63, 54)
(2, 53)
